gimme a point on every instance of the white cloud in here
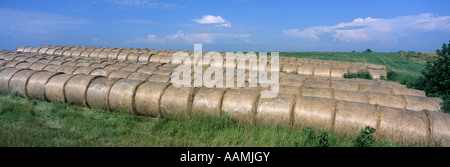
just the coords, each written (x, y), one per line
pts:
(97, 41)
(373, 29)
(18, 21)
(181, 37)
(211, 19)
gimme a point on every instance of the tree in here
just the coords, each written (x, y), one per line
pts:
(436, 80)
(368, 51)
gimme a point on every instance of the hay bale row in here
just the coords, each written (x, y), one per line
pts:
(416, 103)
(243, 105)
(348, 118)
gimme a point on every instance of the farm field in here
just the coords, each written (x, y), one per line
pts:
(28, 122)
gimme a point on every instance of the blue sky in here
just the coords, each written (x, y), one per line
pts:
(233, 25)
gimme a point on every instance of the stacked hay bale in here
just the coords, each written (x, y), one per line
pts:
(344, 105)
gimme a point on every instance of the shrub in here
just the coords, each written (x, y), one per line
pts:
(360, 74)
(365, 137)
(436, 80)
(368, 51)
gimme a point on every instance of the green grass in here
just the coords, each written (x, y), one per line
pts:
(360, 74)
(27, 122)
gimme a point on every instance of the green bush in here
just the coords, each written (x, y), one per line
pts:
(365, 137)
(436, 77)
(360, 74)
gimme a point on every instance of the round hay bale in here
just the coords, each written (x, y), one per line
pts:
(76, 53)
(317, 84)
(176, 101)
(56, 62)
(288, 67)
(322, 71)
(5, 76)
(68, 53)
(240, 104)
(316, 92)
(84, 70)
(119, 74)
(59, 52)
(314, 112)
(70, 63)
(21, 48)
(406, 91)
(2, 62)
(133, 57)
(86, 53)
(27, 49)
(122, 56)
(155, 58)
(402, 126)
(440, 128)
(139, 76)
(21, 58)
(54, 89)
(128, 68)
(12, 63)
(97, 94)
(35, 50)
(348, 85)
(42, 50)
(159, 78)
(165, 59)
(36, 84)
(122, 94)
(305, 70)
(351, 117)
(101, 72)
(113, 55)
(163, 72)
(67, 69)
(103, 55)
(353, 96)
(388, 100)
(50, 51)
(374, 88)
(23, 64)
(10, 57)
(76, 87)
(418, 103)
(52, 67)
(144, 58)
(291, 82)
(208, 101)
(338, 72)
(114, 67)
(147, 98)
(288, 89)
(146, 69)
(83, 64)
(37, 59)
(94, 54)
(275, 111)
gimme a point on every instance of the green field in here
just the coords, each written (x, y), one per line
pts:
(28, 122)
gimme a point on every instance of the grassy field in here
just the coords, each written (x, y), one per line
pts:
(28, 122)
(32, 123)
